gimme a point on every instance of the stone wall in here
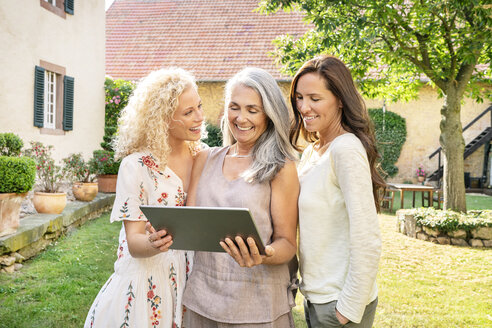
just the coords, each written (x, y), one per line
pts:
(478, 237)
(37, 231)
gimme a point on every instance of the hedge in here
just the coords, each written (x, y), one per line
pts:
(17, 174)
(10, 144)
(214, 136)
(447, 221)
(391, 133)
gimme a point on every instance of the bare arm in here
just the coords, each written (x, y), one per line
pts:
(142, 245)
(285, 193)
(196, 172)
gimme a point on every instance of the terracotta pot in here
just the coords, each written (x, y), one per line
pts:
(49, 202)
(421, 178)
(10, 204)
(85, 191)
(107, 182)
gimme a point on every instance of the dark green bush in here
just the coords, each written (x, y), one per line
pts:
(109, 134)
(10, 144)
(117, 94)
(103, 162)
(391, 133)
(214, 136)
(17, 174)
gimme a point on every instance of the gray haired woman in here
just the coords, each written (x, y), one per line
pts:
(254, 169)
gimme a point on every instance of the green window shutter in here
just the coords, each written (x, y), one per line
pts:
(39, 96)
(68, 89)
(69, 6)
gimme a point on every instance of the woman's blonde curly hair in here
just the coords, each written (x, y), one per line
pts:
(144, 123)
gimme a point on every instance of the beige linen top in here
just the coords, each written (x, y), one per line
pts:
(218, 288)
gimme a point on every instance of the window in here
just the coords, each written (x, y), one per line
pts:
(58, 7)
(49, 99)
(53, 99)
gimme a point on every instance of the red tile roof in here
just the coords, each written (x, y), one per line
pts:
(212, 39)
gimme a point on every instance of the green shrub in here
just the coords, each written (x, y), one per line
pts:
(391, 133)
(446, 221)
(17, 174)
(10, 144)
(103, 162)
(109, 134)
(214, 136)
(50, 175)
(117, 94)
(77, 169)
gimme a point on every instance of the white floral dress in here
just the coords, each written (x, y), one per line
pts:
(143, 292)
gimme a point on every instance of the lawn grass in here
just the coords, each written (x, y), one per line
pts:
(420, 284)
(57, 287)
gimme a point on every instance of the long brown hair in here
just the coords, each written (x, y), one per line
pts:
(355, 118)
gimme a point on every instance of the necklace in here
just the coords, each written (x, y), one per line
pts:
(236, 154)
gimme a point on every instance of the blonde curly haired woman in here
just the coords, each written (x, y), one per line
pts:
(157, 138)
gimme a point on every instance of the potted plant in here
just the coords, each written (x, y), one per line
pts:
(17, 176)
(81, 174)
(106, 168)
(50, 175)
(420, 173)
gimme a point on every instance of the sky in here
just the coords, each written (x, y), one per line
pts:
(108, 3)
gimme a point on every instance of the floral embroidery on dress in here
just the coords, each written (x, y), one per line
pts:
(141, 199)
(180, 197)
(120, 249)
(174, 284)
(124, 210)
(163, 198)
(93, 314)
(152, 168)
(131, 297)
(187, 265)
(155, 301)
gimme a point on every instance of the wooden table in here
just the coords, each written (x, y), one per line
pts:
(402, 187)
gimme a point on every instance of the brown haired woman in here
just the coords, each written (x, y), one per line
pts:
(340, 242)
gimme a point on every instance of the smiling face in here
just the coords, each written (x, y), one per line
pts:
(319, 108)
(187, 120)
(247, 120)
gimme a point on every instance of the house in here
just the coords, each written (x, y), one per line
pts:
(215, 39)
(211, 39)
(52, 85)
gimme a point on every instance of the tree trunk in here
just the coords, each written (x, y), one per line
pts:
(453, 145)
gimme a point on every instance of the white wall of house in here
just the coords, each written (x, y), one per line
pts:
(29, 34)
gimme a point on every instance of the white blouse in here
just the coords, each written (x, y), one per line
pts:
(340, 241)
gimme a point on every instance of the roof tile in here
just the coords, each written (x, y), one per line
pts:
(212, 39)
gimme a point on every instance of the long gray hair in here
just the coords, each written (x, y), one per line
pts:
(273, 147)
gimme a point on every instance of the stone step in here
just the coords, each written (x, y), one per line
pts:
(34, 228)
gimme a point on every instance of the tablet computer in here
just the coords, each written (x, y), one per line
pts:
(202, 228)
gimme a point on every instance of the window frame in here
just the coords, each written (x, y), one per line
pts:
(60, 72)
(50, 103)
(58, 8)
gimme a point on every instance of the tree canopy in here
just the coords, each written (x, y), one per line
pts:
(391, 46)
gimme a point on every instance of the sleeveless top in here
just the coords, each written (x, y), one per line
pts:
(218, 288)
